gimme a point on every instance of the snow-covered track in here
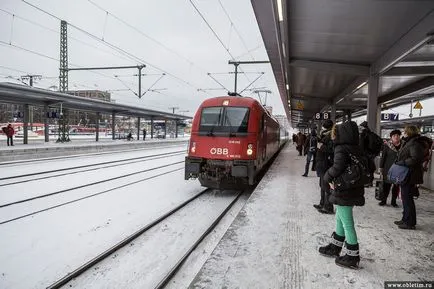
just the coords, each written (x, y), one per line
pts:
(87, 167)
(77, 272)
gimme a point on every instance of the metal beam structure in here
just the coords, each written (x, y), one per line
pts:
(106, 67)
(417, 36)
(352, 69)
(339, 60)
(411, 88)
(357, 83)
(63, 77)
(313, 98)
(20, 94)
(410, 71)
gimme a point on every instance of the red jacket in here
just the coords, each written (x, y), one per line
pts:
(9, 131)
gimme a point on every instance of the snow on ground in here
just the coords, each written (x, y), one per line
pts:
(144, 263)
(274, 241)
(37, 250)
(199, 256)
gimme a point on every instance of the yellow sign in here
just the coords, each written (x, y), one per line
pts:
(418, 105)
(299, 105)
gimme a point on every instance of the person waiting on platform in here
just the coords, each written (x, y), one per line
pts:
(144, 133)
(324, 160)
(310, 147)
(411, 155)
(129, 136)
(301, 138)
(346, 140)
(388, 158)
(9, 132)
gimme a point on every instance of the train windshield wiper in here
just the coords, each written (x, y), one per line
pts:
(211, 131)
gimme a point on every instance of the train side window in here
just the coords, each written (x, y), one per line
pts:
(262, 123)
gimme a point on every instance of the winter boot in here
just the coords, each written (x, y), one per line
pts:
(351, 259)
(334, 248)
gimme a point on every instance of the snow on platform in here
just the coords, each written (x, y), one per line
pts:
(40, 149)
(273, 242)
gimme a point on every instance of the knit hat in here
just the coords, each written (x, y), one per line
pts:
(395, 131)
(364, 124)
(328, 124)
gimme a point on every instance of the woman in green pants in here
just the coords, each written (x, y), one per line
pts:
(346, 140)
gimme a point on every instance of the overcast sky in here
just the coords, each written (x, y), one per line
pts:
(169, 36)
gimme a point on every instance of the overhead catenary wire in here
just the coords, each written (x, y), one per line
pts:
(114, 47)
(58, 32)
(235, 29)
(46, 56)
(145, 35)
(215, 34)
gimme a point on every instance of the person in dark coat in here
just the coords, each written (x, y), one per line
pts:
(364, 141)
(144, 133)
(346, 140)
(388, 158)
(310, 147)
(324, 160)
(411, 155)
(9, 131)
(301, 138)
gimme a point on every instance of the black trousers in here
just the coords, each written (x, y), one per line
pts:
(325, 194)
(11, 140)
(409, 212)
(386, 190)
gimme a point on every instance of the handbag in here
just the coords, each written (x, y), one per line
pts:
(398, 174)
(356, 174)
(379, 190)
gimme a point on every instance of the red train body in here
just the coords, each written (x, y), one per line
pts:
(232, 138)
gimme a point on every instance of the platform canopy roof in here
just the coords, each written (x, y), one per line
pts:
(21, 94)
(323, 52)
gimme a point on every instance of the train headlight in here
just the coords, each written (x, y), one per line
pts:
(249, 149)
(193, 147)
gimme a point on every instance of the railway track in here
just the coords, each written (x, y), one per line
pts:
(87, 196)
(82, 155)
(93, 166)
(131, 238)
(86, 168)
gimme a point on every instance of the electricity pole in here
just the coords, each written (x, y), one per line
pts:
(173, 109)
(29, 108)
(237, 63)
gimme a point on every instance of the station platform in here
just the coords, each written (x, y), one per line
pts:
(274, 240)
(36, 149)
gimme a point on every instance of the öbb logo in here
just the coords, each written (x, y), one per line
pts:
(219, 151)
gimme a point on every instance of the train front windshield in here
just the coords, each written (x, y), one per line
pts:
(224, 120)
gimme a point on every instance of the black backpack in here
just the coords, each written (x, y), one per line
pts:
(374, 144)
(356, 174)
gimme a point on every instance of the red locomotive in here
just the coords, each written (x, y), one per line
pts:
(232, 138)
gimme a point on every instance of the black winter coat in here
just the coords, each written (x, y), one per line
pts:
(347, 141)
(411, 155)
(324, 155)
(310, 144)
(388, 158)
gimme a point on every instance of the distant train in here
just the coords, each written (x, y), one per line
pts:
(232, 138)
